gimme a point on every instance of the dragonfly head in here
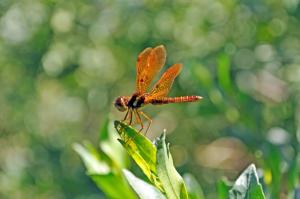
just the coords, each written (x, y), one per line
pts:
(121, 103)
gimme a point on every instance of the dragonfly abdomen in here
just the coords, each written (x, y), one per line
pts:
(167, 100)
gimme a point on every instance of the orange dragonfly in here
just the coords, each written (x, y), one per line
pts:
(149, 63)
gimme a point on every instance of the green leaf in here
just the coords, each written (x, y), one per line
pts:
(109, 145)
(193, 187)
(247, 186)
(172, 182)
(143, 189)
(104, 173)
(114, 186)
(223, 189)
(141, 149)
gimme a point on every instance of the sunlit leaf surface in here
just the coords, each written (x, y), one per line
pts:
(141, 149)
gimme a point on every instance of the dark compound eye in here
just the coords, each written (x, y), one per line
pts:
(120, 105)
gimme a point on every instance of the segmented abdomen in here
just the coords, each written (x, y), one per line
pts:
(167, 100)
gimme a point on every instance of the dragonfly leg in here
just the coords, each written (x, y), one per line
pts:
(149, 120)
(138, 117)
(135, 118)
(130, 114)
(128, 120)
(130, 117)
(125, 118)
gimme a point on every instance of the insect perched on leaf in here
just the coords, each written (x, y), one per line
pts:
(149, 63)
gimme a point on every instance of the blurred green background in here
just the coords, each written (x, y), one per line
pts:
(62, 64)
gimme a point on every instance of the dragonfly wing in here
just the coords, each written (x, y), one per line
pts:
(140, 66)
(163, 86)
(149, 63)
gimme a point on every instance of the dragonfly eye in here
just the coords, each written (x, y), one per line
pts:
(120, 104)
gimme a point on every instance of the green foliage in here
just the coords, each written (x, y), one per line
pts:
(156, 163)
(154, 160)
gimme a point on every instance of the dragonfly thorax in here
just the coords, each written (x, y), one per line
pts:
(136, 101)
(122, 103)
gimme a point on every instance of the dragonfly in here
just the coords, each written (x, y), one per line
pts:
(149, 63)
